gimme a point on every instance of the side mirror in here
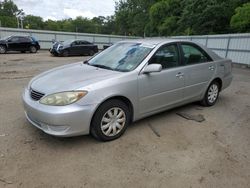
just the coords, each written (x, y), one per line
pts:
(152, 68)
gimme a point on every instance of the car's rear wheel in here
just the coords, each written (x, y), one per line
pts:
(212, 94)
(91, 53)
(110, 120)
(33, 49)
(2, 49)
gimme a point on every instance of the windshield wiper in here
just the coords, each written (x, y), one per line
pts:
(86, 62)
(101, 66)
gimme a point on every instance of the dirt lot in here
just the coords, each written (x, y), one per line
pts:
(165, 150)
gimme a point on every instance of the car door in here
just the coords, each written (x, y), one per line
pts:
(199, 70)
(86, 47)
(75, 48)
(25, 43)
(160, 90)
(13, 43)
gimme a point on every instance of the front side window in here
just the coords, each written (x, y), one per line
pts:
(14, 39)
(167, 56)
(193, 55)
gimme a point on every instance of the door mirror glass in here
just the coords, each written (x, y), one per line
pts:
(152, 68)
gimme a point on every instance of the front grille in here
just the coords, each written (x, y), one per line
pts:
(35, 95)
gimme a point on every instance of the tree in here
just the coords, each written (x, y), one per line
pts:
(51, 25)
(9, 13)
(164, 16)
(132, 16)
(8, 8)
(33, 22)
(240, 21)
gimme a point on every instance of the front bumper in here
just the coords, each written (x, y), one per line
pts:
(55, 52)
(64, 121)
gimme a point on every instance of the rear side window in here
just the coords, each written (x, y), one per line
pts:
(84, 42)
(167, 56)
(24, 39)
(194, 55)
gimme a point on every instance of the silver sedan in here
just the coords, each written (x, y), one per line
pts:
(126, 82)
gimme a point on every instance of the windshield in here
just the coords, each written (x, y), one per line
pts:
(5, 38)
(122, 57)
(67, 42)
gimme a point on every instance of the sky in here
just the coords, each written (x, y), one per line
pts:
(61, 9)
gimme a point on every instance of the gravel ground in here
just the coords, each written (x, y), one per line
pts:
(165, 150)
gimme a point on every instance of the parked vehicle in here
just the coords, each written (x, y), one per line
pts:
(73, 47)
(124, 83)
(19, 43)
(105, 46)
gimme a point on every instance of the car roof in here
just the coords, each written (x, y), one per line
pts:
(160, 41)
(152, 41)
(19, 36)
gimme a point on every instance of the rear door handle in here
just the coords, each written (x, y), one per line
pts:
(179, 75)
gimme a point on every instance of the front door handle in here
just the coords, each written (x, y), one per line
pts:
(179, 75)
(211, 67)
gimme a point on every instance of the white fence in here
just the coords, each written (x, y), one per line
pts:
(45, 37)
(232, 46)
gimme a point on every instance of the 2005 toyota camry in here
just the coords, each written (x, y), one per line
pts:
(126, 82)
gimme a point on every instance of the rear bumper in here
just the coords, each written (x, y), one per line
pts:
(64, 121)
(227, 81)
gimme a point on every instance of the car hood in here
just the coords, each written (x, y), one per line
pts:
(70, 77)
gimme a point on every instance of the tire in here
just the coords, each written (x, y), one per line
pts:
(65, 53)
(211, 95)
(104, 127)
(33, 49)
(2, 49)
(91, 53)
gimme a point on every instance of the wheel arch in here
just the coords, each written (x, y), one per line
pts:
(5, 45)
(219, 81)
(121, 98)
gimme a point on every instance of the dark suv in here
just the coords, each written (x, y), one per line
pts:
(73, 47)
(19, 43)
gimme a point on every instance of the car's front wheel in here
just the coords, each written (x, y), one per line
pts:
(212, 94)
(110, 120)
(2, 49)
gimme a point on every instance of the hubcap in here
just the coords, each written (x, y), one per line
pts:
(113, 121)
(33, 49)
(213, 93)
(2, 50)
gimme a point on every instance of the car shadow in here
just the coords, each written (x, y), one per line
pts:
(85, 140)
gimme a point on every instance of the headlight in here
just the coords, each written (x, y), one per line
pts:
(62, 99)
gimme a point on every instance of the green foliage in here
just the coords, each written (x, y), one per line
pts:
(33, 22)
(131, 16)
(240, 21)
(7, 21)
(8, 13)
(164, 16)
(8, 8)
(146, 18)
